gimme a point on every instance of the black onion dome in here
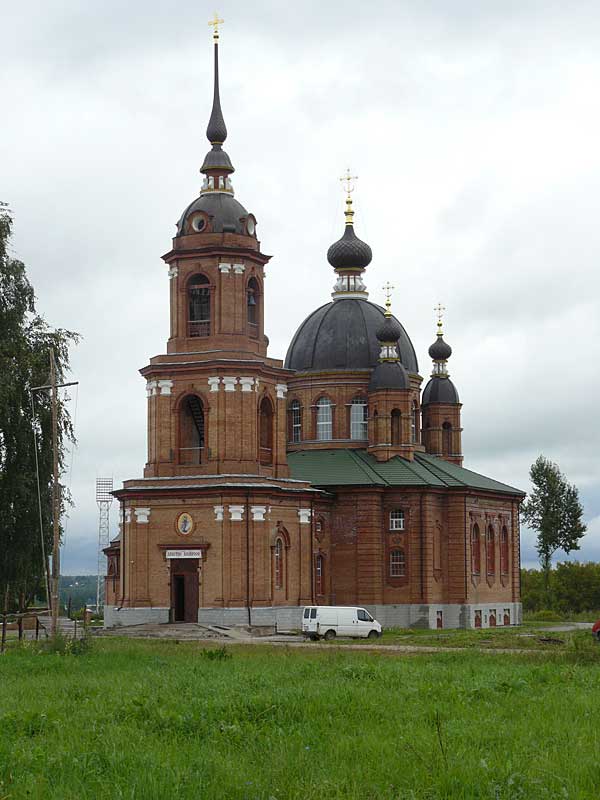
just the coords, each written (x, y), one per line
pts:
(349, 252)
(439, 390)
(224, 211)
(389, 375)
(390, 330)
(440, 350)
(341, 336)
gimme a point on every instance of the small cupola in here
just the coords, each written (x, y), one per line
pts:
(440, 388)
(389, 373)
(349, 256)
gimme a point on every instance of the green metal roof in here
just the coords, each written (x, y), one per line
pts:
(359, 468)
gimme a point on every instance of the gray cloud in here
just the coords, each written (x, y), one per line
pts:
(474, 130)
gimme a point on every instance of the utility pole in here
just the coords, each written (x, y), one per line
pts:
(55, 499)
(55, 580)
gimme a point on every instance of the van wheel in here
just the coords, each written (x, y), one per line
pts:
(313, 637)
(373, 635)
(329, 635)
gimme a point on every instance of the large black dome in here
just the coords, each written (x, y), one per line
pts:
(342, 336)
(225, 212)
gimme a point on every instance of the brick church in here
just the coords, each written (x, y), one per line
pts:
(331, 478)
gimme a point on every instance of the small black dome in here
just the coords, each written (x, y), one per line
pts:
(389, 375)
(439, 350)
(225, 213)
(389, 330)
(439, 390)
(217, 158)
(349, 252)
(341, 336)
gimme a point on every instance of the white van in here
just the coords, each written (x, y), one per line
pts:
(327, 622)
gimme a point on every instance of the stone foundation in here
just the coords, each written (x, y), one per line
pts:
(287, 618)
(115, 617)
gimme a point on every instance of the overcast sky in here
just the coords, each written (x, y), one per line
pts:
(473, 128)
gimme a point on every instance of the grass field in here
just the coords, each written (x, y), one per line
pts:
(154, 719)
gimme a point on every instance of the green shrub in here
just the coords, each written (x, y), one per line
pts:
(216, 654)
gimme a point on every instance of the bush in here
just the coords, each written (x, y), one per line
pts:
(63, 646)
(216, 654)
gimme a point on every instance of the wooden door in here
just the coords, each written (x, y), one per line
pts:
(184, 589)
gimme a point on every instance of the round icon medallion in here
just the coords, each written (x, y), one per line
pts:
(184, 524)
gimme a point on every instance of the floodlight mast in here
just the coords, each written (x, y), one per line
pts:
(104, 499)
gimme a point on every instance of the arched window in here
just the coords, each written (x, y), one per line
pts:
(414, 422)
(324, 419)
(295, 422)
(358, 418)
(396, 427)
(397, 563)
(278, 565)
(490, 550)
(447, 439)
(397, 520)
(504, 551)
(265, 431)
(475, 550)
(198, 306)
(252, 301)
(319, 575)
(191, 431)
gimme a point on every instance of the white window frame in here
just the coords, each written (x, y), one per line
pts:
(324, 419)
(359, 426)
(397, 523)
(296, 412)
(398, 565)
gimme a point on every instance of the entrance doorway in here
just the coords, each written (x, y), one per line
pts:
(184, 589)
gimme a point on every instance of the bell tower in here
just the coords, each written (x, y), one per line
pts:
(216, 268)
(216, 402)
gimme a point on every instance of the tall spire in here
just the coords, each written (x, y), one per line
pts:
(217, 164)
(349, 255)
(216, 132)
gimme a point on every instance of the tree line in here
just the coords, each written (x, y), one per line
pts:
(573, 587)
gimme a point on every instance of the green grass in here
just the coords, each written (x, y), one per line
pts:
(154, 719)
(522, 637)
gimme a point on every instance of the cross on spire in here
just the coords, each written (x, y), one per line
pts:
(349, 188)
(349, 179)
(439, 310)
(215, 22)
(388, 289)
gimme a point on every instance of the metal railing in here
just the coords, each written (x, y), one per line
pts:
(191, 455)
(199, 328)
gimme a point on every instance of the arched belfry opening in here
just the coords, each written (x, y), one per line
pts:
(396, 427)
(265, 431)
(198, 293)
(192, 431)
(253, 306)
(447, 439)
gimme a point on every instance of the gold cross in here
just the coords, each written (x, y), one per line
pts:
(388, 289)
(215, 22)
(349, 181)
(439, 310)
